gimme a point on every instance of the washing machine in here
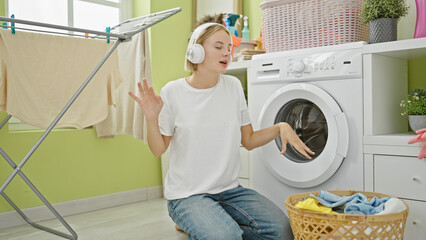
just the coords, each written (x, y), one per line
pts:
(319, 92)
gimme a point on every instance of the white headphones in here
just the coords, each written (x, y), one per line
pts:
(195, 52)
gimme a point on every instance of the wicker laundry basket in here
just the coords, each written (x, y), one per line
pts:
(310, 225)
(295, 24)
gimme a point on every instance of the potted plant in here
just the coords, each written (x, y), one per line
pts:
(382, 17)
(415, 107)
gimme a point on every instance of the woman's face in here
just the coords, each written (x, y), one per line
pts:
(218, 51)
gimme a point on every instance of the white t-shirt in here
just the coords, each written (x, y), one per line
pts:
(205, 125)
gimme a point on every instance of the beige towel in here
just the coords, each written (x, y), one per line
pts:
(127, 117)
(44, 71)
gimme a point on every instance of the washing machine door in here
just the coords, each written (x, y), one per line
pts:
(318, 120)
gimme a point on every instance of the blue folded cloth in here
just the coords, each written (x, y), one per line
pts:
(355, 204)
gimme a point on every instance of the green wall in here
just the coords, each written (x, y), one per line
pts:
(141, 8)
(416, 68)
(253, 11)
(168, 42)
(416, 74)
(76, 164)
(2, 8)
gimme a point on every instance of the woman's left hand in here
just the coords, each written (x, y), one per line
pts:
(288, 135)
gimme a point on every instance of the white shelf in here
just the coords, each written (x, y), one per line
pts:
(239, 67)
(385, 67)
(395, 144)
(404, 49)
(394, 139)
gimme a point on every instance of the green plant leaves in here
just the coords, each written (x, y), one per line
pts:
(415, 104)
(375, 9)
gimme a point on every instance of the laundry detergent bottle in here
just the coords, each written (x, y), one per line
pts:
(245, 32)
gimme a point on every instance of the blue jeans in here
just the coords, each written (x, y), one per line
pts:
(239, 213)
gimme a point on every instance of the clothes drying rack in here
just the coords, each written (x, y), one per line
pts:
(121, 33)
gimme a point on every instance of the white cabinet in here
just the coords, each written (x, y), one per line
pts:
(400, 176)
(415, 227)
(391, 165)
(239, 70)
(403, 177)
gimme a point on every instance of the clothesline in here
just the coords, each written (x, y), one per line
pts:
(123, 31)
(60, 27)
(61, 33)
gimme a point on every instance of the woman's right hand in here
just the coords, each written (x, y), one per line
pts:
(150, 103)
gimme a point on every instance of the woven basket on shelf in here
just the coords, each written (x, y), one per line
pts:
(311, 225)
(295, 24)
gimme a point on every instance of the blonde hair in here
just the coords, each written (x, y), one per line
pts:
(191, 67)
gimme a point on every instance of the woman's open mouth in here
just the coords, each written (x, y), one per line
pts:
(224, 63)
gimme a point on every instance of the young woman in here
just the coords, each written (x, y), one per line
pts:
(204, 118)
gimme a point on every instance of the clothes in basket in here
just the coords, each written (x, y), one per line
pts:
(355, 204)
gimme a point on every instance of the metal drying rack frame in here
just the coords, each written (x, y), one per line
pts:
(122, 32)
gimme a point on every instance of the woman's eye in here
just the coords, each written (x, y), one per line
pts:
(219, 48)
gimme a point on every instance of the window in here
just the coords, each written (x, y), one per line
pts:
(87, 14)
(85, 17)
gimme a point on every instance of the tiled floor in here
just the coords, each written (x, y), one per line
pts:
(142, 220)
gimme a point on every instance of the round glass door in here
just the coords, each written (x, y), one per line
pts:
(318, 121)
(309, 123)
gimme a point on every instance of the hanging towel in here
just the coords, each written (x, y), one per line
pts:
(135, 64)
(355, 204)
(44, 71)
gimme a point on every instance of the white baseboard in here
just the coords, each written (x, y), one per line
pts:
(36, 214)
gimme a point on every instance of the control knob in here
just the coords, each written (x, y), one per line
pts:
(298, 67)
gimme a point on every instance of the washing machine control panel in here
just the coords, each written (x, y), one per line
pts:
(308, 65)
(291, 66)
